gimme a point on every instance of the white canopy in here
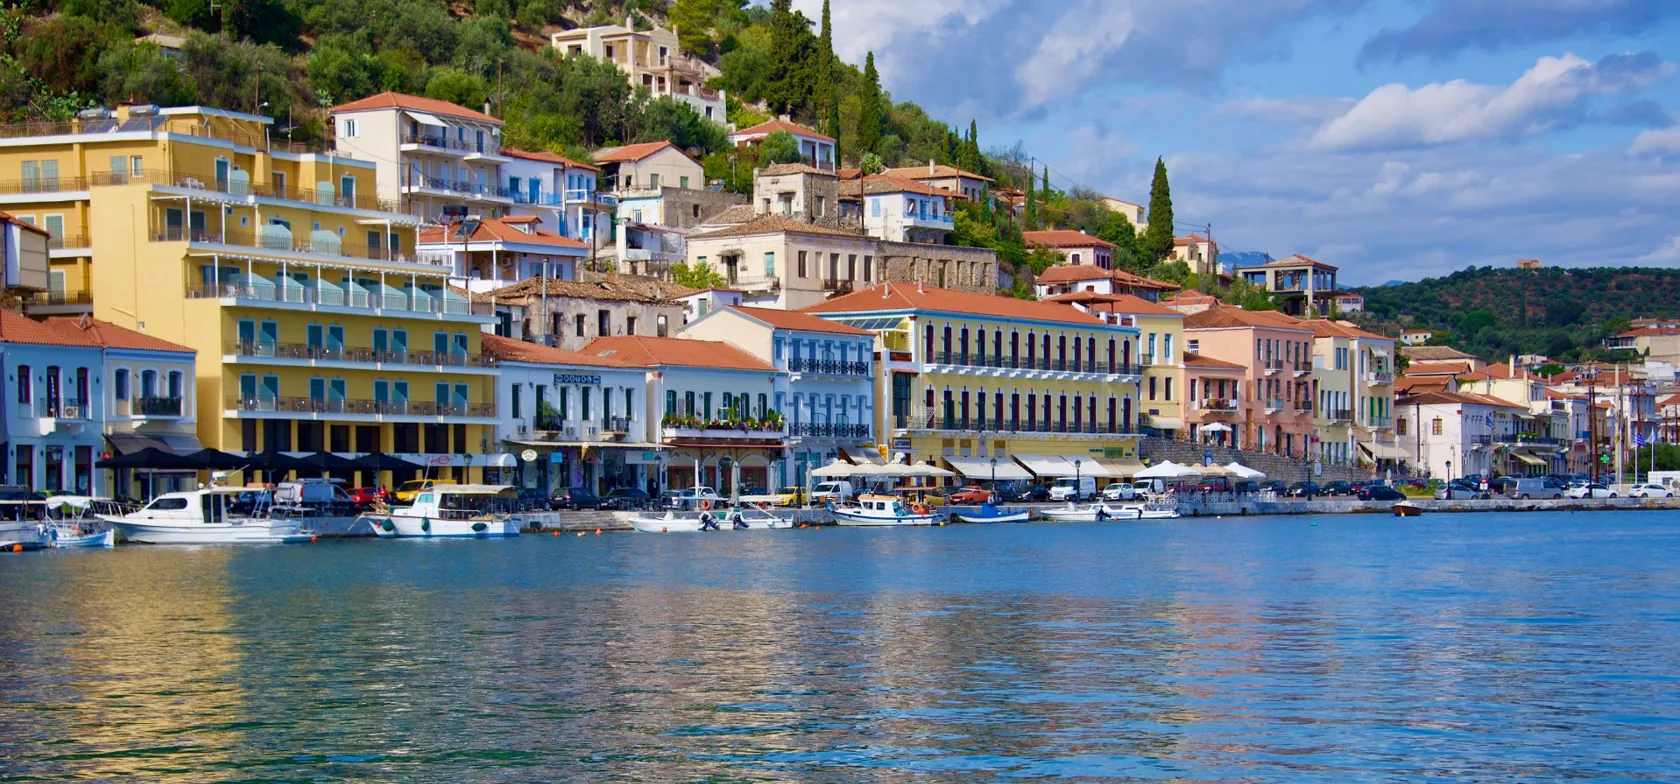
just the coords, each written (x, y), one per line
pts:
(1212, 469)
(1216, 427)
(980, 468)
(1382, 451)
(1240, 470)
(1167, 470)
(1062, 465)
(838, 468)
(924, 469)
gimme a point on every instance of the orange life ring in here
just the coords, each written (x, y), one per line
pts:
(706, 504)
(920, 509)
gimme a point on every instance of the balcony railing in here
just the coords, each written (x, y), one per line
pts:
(210, 183)
(315, 405)
(356, 298)
(53, 184)
(1379, 421)
(814, 430)
(1338, 415)
(61, 298)
(1273, 365)
(281, 243)
(69, 241)
(978, 360)
(63, 408)
(1379, 377)
(150, 124)
(1215, 404)
(471, 189)
(360, 354)
(615, 424)
(922, 419)
(832, 284)
(440, 142)
(155, 406)
(828, 367)
(1274, 404)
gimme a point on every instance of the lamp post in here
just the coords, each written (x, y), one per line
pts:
(994, 480)
(1076, 479)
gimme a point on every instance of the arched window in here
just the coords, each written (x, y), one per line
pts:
(1111, 355)
(1078, 417)
(1126, 361)
(1014, 347)
(1113, 426)
(963, 346)
(1091, 354)
(1032, 350)
(1032, 411)
(1014, 411)
(927, 343)
(1061, 351)
(997, 344)
(964, 409)
(945, 346)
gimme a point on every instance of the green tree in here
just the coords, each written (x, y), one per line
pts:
(698, 276)
(693, 20)
(779, 147)
(968, 158)
(342, 68)
(1158, 237)
(63, 52)
(871, 163)
(463, 89)
(792, 59)
(139, 73)
(869, 108)
(823, 67)
(1029, 217)
(262, 21)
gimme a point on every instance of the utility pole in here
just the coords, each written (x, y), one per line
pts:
(1592, 423)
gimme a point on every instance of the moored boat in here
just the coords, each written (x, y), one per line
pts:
(989, 513)
(211, 515)
(732, 520)
(882, 510)
(1093, 513)
(73, 522)
(451, 512)
(1406, 509)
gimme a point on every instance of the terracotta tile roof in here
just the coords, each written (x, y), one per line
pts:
(797, 320)
(1229, 317)
(412, 102)
(771, 224)
(517, 220)
(7, 218)
(1421, 383)
(1326, 328)
(1064, 238)
(18, 328)
(1671, 401)
(1114, 303)
(547, 157)
(1199, 361)
(613, 289)
(886, 183)
(1293, 261)
(1448, 368)
(511, 350)
(780, 169)
(906, 296)
(1498, 371)
(1191, 239)
(1643, 332)
(771, 126)
(1074, 273)
(939, 172)
(498, 230)
(1192, 297)
(635, 152)
(643, 351)
(848, 174)
(108, 335)
(1139, 281)
(1431, 353)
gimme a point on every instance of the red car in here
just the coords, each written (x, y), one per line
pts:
(972, 494)
(364, 497)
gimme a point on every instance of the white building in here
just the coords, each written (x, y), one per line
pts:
(653, 60)
(830, 378)
(817, 148)
(557, 190)
(903, 210)
(1452, 434)
(429, 154)
(491, 253)
(23, 251)
(572, 419)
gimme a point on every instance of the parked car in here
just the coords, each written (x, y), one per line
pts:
(1649, 490)
(693, 497)
(1275, 485)
(792, 495)
(1031, 493)
(1119, 491)
(930, 496)
(531, 499)
(836, 490)
(321, 496)
(408, 490)
(1525, 487)
(1458, 491)
(623, 499)
(366, 497)
(670, 499)
(971, 495)
(573, 498)
(1376, 492)
(1337, 487)
(1591, 490)
(1304, 490)
(1074, 488)
(1245, 487)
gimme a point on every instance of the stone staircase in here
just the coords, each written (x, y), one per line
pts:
(1287, 469)
(568, 520)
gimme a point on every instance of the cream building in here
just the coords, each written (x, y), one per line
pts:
(1354, 413)
(653, 60)
(638, 168)
(429, 154)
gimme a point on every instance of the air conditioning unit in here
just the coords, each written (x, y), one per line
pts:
(70, 412)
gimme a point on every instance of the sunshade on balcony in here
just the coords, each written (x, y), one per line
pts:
(383, 295)
(421, 299)
(254, 285)
(453, 302)
(328, 292)
(290, 290)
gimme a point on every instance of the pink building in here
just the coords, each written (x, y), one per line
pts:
(1214, 413)
(1277, 389)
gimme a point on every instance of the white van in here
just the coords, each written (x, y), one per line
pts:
(836, 490)
(320, 495)
(1145, 487)
(1072, 488)
(1533, 487)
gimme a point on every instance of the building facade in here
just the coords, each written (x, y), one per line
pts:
(1076, 247)
(24, 270)
(1354, 401)
(492, 253)
(653, 60)
(429, 154)
(570, 314)
(638, 168)
(560, 192)
(816, 148)
(1277, 391)
(1306, 288)
(51, 408)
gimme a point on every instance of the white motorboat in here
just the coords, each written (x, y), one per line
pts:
(883, 510)
(73, 522)
(734, 520)
(211, 515)
(20, 521)
(1093, 513)
(992, 514)
(451, 512)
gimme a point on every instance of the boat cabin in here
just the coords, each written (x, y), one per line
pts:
(464, 502)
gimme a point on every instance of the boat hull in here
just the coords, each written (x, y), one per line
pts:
(1093, 514)
(847, 517)
(24, 535)
(253, 532)
(401, 527)
(1017, 517)
(64, 540)
(689, 525)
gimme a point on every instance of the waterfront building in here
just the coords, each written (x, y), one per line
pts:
(1541, 436)
(964, 378)
(1452, 434)
(1162, 390)
(653, 224)
(1213, 410)
(785, 263)
(1076, 248)
(568, 314)
(493, 253)
(1303, 287)
(558, 191)
(430, 154)
(572, 419)
(718, 426)
(817, 149)
(1353, 375)
(634, 169)
(1277, 390)
(830, 400)
(653, 60)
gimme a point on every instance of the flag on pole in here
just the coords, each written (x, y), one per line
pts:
(1639, 440)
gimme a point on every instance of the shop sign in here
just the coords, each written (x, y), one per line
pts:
(577, 378)
(529, 455)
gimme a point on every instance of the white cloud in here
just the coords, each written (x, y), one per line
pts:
(1073, 50)
(896, 29)
(1668, 253)
(1548, 95)
(1657, 141)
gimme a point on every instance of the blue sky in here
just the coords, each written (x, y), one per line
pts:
(1393, 138)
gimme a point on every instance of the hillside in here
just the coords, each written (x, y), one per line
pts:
(1563, 313)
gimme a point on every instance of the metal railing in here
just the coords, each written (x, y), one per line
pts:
(63, 408)
(316, 405)
(615, 424)
(1380, 377)
(1215, 404)
(1274, 404)
(831, 367)
(815, 430)
(440, 142)
(1273, 365)
(210, 183)
(60, 298)
(360, 354)
(456, 186)
(1076, 365)
(155, 406)
(920, 418)
(60, 242)
(55, 184)
(1338, 415)
(356, 298)
(284, 243)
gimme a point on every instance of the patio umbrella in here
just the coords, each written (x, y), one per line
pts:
(1167, 470)
(1216, 427)
(1212, 469)
(924, 469)
(381, 461)
(327, 461)
(277, 462)
(838, 468)
(1238, 469)
(151, 459)
(216, 459)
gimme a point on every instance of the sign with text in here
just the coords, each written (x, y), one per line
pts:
(577, 378)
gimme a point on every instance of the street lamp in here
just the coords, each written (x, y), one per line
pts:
(994, 479)
(1076, 479)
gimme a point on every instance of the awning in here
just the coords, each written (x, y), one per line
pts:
(426, 119)
(863, 454)
(1051, 466)
(1529, 459)
(981, 468)
(1119, 468)
(1381, 352)
(1166, 423)
(129, 443)
(1382, 451)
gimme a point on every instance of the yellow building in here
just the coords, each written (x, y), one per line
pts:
(1162, 390)
(965, 378)
(316, 327)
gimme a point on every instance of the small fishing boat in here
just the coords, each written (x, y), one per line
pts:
(73, 522)
(1406, 509)
(1090, 514)
(883, 510)
(989, 513)
(210, 515)
(20, 520)
(734, 520)
(451, 512)
(1156, 511)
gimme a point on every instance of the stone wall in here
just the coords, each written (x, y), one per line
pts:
(943, 266)
(687, 208)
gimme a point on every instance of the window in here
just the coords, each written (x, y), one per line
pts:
(1435, 427)
(1400, 427)
(347, 190)
(660, 326)
(682, 182)
(515, 390)
(1152, 381)
(802, 272)
(629, 325)
(603, 322)
(348, 130)
(819, 206)
(874, 208)
(868, 261)
(579, 322)
(583, 401)
(770, 265)
(1167, 389)
(629, 403)
(120, 384)
(24, 379)
(653, 181)
(670, 402)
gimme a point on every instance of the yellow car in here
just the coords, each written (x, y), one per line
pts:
(792, 495)
(931, 497)
(407, 490)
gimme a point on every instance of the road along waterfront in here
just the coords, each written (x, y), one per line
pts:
(1303, 649)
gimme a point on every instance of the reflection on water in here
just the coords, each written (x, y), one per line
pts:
(1472, 647)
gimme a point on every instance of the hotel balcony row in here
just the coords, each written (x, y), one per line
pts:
(50, 414)
(443, 186)
(353, 357)
(469, 149)
(570, 198)
(234, 185)
(961, 362)
(954, 421)
(1273, 366)
(358, 410)
(1214, 405)
(361, 298)
(850, 432)
(607, 428)
(828, 367)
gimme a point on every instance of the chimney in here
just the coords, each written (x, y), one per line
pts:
(931, 166)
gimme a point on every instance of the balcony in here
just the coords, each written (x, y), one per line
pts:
(150, 124)
(756, 283)
(1273, 366)
(827, 367)
(843, 431)
(348, 407)
(246, 191)
(282, 243)
(440, 143)
(953, 421)
(357, 298)
(466, 190)
(1379, 377)
(1215, 405)
(1274, 405)
(1303, 368)
(51, 187)
(69, 244)
(356, 354)
(993, 361)
(839, 286)
(1379, 422)
(150, 406)
(929, 220)
(49, 303)
(1338, 415)
(713, 431)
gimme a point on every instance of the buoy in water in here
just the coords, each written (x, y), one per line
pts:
(597, 532)
(664, 530)
(311, 538)
(17, 548)
(580, 533)
(556, 533)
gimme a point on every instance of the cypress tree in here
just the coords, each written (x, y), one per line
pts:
(869, 108)
(792, 60)
(825, 69)
(1158, 238)
(1030, 220)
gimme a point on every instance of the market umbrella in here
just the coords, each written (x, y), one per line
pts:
(838, 468)
(1245, 472)
(216, 459)
(1216, 427)
(151, 459)
(327, 461)
(1212, 469)
(381, 461)
(277, 462)
(1166, 470)
(925, 469)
